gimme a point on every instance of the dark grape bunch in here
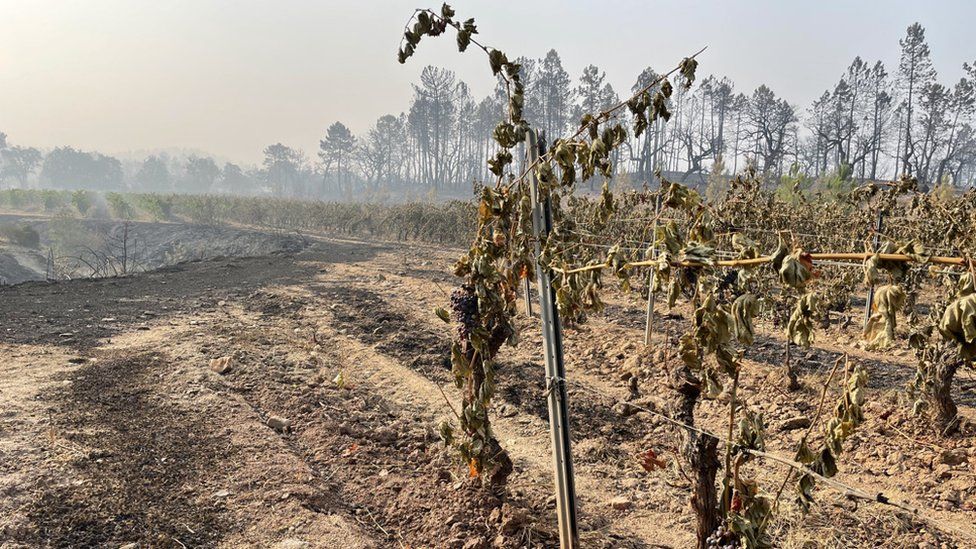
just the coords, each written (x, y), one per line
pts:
(464, 310)
(722, 538)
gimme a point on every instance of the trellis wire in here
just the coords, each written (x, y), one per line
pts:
(851, 492)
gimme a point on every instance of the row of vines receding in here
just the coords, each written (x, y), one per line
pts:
(744, 256)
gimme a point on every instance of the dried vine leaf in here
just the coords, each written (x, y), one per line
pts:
(606, 206)
(747, 247)
(880, 331)
(714, 326)
(751, 433)
(796, 270)
(659, 105)
(702, 227)
(670, 237)
(689, 351)
(687, 68)
(742, 502)
(958, 324)
(780, 253)
(915, 250)
(800, 327)
(442, 314)
(680, 197)
(464, 35)
(676, 283)
(674, 248)
(965, 286)
(650, 461)
(638, 106)
(744, 309)
(748, 513)
(617, 263)
(872, 272)
(662, 272)
(697, 254)
(578, 292)
(897, 270)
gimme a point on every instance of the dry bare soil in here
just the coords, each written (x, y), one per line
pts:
(116, 432)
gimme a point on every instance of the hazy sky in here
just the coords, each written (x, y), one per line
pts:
(229, 77)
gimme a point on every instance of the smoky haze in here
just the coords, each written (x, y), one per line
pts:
(223, 82)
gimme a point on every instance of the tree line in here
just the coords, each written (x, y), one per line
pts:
(874, 123)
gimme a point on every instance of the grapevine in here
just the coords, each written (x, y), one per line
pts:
(502, 252)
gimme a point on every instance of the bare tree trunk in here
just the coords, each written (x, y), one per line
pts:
(945, 408)
(790, 371)
(700, 453)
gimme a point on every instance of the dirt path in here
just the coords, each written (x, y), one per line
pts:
(114, 430)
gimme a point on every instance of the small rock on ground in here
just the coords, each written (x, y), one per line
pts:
(221, 365)
(279, 424)
(794, 423)
(624, 409)
(621, 503)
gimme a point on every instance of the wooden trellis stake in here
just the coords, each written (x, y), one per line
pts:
(562, 455)
(649, 321)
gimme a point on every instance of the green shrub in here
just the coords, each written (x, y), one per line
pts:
(119, 205)
(82, 201)
(202, 208)
(54, 200)
(158, 207)
(16, 199)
